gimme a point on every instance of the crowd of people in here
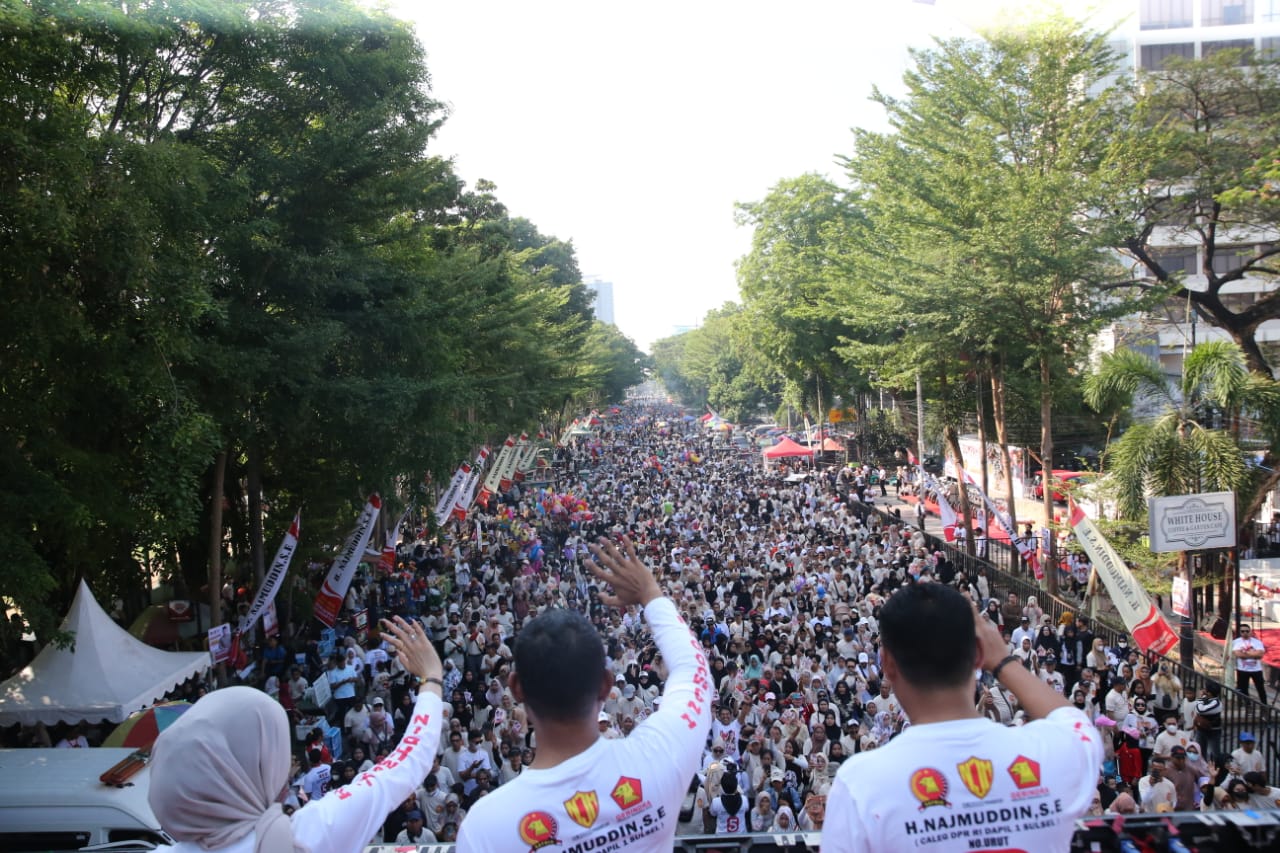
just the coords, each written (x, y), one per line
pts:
(782, 581)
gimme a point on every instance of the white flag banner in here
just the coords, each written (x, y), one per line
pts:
(449, 495)
(492, 483)
(1150, 630)
(334, 590)
(275, 577)
(468, 491)
(508, 471)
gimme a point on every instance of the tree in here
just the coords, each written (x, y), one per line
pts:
(1207, 135)
(983, 193)
(1180, 451)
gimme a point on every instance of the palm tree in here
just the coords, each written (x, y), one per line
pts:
(1192, 445)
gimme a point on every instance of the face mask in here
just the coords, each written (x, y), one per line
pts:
(1080, 704)
(1172, 728)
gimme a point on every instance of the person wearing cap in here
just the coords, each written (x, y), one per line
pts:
(580, 786)
(1024, 631)
(605, 723)
(932, 641)
(1247, 758)
(1184, 777)
(415, 831)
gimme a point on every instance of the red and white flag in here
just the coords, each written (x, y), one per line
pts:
(493, 482)
(1026, 548)
(275, 577)
(1150, 630)
(334, 589)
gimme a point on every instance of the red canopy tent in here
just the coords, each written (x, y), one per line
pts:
(785, 449)
(831, 445)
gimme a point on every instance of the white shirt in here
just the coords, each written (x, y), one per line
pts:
(1247, 664)
(344, 821)
(1152, 794)
(628, 791)
(932, 784)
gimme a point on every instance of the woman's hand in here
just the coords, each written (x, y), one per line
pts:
(413, 648)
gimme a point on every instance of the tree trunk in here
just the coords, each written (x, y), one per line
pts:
(217, 496)
(1002, 436)
(256, 555)
(982, 432)
(1046, 455)
(951, 436)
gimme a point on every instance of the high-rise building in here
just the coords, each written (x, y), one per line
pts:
(604, 299)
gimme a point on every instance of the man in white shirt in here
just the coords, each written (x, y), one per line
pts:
(1247, 758)
(583, 790)
(950, 761)
(1155, 792)
(1116, 703)
(1248, 651)
(1169, 738)
(1024, 631)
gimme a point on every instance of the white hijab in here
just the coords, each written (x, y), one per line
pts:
(217, 773)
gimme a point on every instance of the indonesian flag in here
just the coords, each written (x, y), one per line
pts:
(334, 590)
(1150, 630)
(275, 576)
(911, 458)
(493, 482)
(948, 515)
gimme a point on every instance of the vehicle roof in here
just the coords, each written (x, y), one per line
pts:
(69, 777)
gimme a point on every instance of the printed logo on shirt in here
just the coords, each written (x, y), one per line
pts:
(538, 829)
(583, 808)
(1025, 772)
(627, 792)
(977, 775)
(929, 787)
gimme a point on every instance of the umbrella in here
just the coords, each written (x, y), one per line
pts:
(140, 730)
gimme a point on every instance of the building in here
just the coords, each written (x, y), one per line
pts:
(1148, 33)
(604, 299)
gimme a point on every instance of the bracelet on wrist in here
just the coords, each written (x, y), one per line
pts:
(995, 670)
(431, 680)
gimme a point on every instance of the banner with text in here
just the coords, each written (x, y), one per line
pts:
(1150, 630)
(334, 590)
(275, 577)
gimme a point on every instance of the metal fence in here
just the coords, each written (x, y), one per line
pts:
(1240, 713)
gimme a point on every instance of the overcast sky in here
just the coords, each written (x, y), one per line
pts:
(633, 129)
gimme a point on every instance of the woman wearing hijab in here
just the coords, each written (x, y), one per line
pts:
(784, 820)
(219, 773)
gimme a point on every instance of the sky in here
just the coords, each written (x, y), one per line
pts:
(634, 129)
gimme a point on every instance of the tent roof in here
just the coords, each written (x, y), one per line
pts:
(786, 447)
(831, 444)
(106, 676)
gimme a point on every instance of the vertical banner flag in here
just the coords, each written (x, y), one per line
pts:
(275, 577)
(945, 511)
(468, 491)
(1150, 630)
(1026, 548)
(525, 462)
(508, 471)
(493, 481)
(334, 590)
(449, 496)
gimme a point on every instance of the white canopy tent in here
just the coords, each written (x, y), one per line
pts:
(107, 676)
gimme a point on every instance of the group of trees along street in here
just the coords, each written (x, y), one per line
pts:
(237, 282)
(1028, 193)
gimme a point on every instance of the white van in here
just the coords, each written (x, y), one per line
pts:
(51, 799)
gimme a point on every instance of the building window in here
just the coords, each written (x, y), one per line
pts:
(1230, 258)
(1225, 13)
(1271, 48)
(1164, 14)
(1245, 46)
(1180, 260)
(1154, 56)
(1268, 11)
